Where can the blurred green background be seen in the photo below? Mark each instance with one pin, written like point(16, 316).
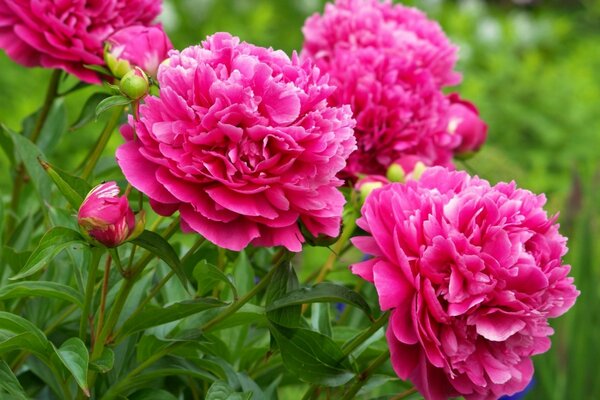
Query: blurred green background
point(533, 69)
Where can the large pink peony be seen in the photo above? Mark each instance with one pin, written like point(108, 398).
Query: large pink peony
point(471, 272)
point(389, 63)
point(242, 143)
point(67, 34)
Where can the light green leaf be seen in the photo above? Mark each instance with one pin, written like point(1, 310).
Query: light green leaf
point(208, 276)
point(321, 293)
point(74, 355)
point(284, 281)
point(42, 289)
point(105, 362)
point(158, 246)
point(52, 243)
point(9, 384)
point(243, 274)
point(88, 111)
point(111, 102)
point(26, 334)
point(73, 188)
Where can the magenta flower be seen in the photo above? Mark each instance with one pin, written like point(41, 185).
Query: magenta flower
point(464, 122)
point(107, 218)
point(471, 274)
point(389, 63)
point(138, 46)
point(67, 34)
point(242, 143)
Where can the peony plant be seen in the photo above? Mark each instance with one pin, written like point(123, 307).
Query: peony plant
point(261, 191)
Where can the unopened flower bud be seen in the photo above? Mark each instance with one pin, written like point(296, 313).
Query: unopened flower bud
point(134, 84)
point(405, 168)
point(118, 67)
point(395, 173)
point(369, 183)
point(106, 219)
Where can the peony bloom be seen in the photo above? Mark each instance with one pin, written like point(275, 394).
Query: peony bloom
point(465, 123)
point(242, 143)
point(137, 46)
point(67, 34)
point(107, 218)
point(389, 63)
point(471, 274)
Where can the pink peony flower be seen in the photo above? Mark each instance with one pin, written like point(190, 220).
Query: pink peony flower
point(139, 46)
point(389, 63)
point(471, 274)
point(242, 143)
point(465, 123)
point(67, 34)
point(107, 218)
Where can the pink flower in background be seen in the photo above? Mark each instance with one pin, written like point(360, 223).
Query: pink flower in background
point(141, 46)
point(464, 122)
point(106, 217)
point(242, 143)
point(67, 34)
point(389, 63)
point(471, 274)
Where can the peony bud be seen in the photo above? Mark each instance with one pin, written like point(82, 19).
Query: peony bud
point(137, 46)
point(369, 183)
point(465, 122)
point(406, 167)
point(134, 84)
point(105, 218)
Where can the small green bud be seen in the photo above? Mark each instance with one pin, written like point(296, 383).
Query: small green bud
point(395, 173)
point(366, 189)
point(134, 84)
point(418, 170)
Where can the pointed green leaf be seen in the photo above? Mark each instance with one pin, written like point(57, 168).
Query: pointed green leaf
point(312, 357)
point(98, 68)
point(222, 391)
point(42, 289)
point(111, 102)
point(74, 355)
point(52, 243)
point(18, 330)
point(105, 362)
point(155, 316)
point(158, 246)
point(9, 384)
point(321, 293)
point(88, 111)
point(208, 276)
point(284, 281)
point(73, 188)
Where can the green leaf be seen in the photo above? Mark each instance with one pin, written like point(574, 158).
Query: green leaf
point(73, 188)
point(222, 391)
point(105, 362)
point(17, 330)
point(155, 316)
point(284, 281)
point(52, 243)
point(98, 68)
point(88, 111)
point(158, 246)
point(312, 357)
point(320, 293)
point(54, 127)
point(248, 314)
point(111, 102)
point(208, 276)
point(42, 289)
point(14, 259)
point(152, 394)
point(9, 384)
point(74, 355)
point(243, 274)
point(7, 144)
point(320, 318)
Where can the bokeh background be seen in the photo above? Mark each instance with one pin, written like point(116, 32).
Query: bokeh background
point(532, 68)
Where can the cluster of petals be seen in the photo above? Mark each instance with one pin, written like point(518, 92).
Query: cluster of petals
point(242, 143)
point(67, 34)
point(471, 274)
point(389, 63)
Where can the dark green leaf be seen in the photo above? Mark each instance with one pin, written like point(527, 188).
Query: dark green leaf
point(73, 188)
point(320, 293)
point(152, 394)
point(88, 111)
point(42, 289)
point(158, 246)
point(312, 357)
point(52, 243)
point(74, 355)
point(284, 281)
point(248, 314)
point(222, 391)
point(98, 68)
point(23, 332)
point(155, 316)
point(320, 318)
point(105, 362)
point(208, 276)
point(111, 102)
point(9, 384)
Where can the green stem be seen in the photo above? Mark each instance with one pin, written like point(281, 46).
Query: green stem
point(19, 182)
point(352, 345)
point(89, 291)
point(404, 394)
point(364, 376)
point(94, 156)
point(100, 323)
